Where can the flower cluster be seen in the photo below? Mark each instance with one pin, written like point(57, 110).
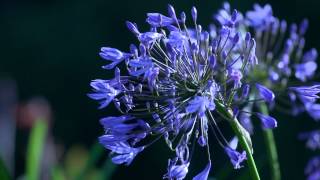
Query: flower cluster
point(283, 67)
point(179, 81)
point(283, 64)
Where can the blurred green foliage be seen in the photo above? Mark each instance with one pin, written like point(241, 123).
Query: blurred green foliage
point(4, 174)
point(35, 149)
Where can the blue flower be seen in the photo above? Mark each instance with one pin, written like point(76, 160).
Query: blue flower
point(112, 54)
point(312, 170)
point(124, 153)
point(203, 175)
point(310, 55)
point(118, 124)
point(226, 18)
point(265, 93)
point(314, 110)
point(175, 171)
point(305, 70)
point(236, 76)
point(152, 75)
point(148, 38)
point(245, 121)
point(307, 93)
point(268, 122)
point(140, 66)
point(236, 157)
point(158, 20)
point(104, 93)
point(313, 139)
point(260, 17)
point(177, 40)
point(199, 105)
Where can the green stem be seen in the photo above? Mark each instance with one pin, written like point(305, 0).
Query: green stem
point(244, 139)
point(271, 148)
point(253, 169)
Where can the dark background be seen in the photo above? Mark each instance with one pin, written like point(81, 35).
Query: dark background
point(50, 47)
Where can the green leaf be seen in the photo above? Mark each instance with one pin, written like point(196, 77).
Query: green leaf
point(4, 173)
point(95, 154)
point(35, 149)
point(57, 173)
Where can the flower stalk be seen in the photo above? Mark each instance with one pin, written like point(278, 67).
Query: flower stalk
point(271, 148)
point(243, 136)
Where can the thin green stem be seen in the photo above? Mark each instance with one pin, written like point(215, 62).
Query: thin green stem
point(253, 169)
point(244, 138)
point(271, 147)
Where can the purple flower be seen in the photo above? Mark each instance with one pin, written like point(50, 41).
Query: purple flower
point(133, 28)
point(268, 122)
point(313, 139)
point(307, 93)
point(203, 175)
point(148, 38)
point(125, 153)
point(122, 124)
point(236, 76)
point(112, 54)
point(177, 39)
point(172, 12)
point(265, 93)
point(116, 123)
point(245, 91)
point(226, 18)
point(305, 70)
point(246, 122)
point(313, 168)
point(199, 105)
point(274, 76)
point(194, 14)
point(202, 141)
point(140, 66)
point(103, 92)
point(310, 55)
point(152, 75)
point(158, 20)
point(175, 171)
point(260, 17)
point(314, 110)
point(303, 26)
point(212, 61)
point(236, 157)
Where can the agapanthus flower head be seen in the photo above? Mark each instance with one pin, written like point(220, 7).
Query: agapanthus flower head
point(178, 78)
point(282, 60)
